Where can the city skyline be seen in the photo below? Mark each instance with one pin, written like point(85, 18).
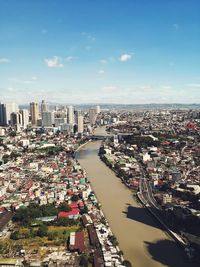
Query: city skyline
point(124, 52)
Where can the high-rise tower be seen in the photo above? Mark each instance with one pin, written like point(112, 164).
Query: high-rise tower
point(34, 113)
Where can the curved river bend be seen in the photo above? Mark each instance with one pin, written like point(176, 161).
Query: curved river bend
point(140, 238)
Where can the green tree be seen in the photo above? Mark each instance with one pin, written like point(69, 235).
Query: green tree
point(83, 261)
point(74, 198)
point(64, 207)
point(14, 235)
point(42, 231)
point(127, 263)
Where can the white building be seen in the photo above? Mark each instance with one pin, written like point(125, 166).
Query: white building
point(98, 110)
point(80, 124)
point(70, 115)
point(25, 117)
point(2, 132)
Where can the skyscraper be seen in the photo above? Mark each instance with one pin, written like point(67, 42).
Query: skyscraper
point(34, 113)
point(80, 124)
point(5, 112)
point(2, 114)
point(98, 110)
point(92, 116)
point(47, 119)
point(25, 117)
point(44, 106)
point(70, 115)
point(16, 120)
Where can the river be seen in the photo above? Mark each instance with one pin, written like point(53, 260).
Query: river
point(144, 244)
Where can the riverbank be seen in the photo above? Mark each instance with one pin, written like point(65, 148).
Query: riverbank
point(140, 238)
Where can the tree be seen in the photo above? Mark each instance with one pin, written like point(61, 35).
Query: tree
point(42, 231)
point(127, 263)
point(113, 239)
point(64, 207)
point(14, 235)
point(51, 236)
point(83, 261)
point(74, 198)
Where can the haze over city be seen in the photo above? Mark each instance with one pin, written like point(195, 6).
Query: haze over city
point(100, 51)
point(100, 133)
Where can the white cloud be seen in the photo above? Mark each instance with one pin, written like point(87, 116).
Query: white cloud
point(101, 71)
point(4, 60)
point(125, 57)
point(70, 58)
point(88, 36)
point(34, 78)
point(54, 62)
point(91, 38)
point(103, 61)
point(176, 26)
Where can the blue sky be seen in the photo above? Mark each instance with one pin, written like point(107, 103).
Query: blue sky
point(100, 51)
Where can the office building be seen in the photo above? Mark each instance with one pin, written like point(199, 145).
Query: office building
point(92, 116)
point(5, 112)
point(47, 119)
point(25, 117)
point(67, 128)
point(2, 114)
point(70, 115)
point(16, 120)
point(59, 121)
point(44, 106)
point(34, 110)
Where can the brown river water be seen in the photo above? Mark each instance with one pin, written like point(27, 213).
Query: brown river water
point(140, 238)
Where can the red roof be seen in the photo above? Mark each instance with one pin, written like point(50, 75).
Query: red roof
point(69, 213)
point(74, 205)
point(191, 125)
point(70, 192)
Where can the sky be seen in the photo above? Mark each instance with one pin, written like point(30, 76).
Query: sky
point(100, 51)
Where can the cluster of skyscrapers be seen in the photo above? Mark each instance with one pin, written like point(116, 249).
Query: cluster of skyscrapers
point(66, 119)
point(10, 114)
